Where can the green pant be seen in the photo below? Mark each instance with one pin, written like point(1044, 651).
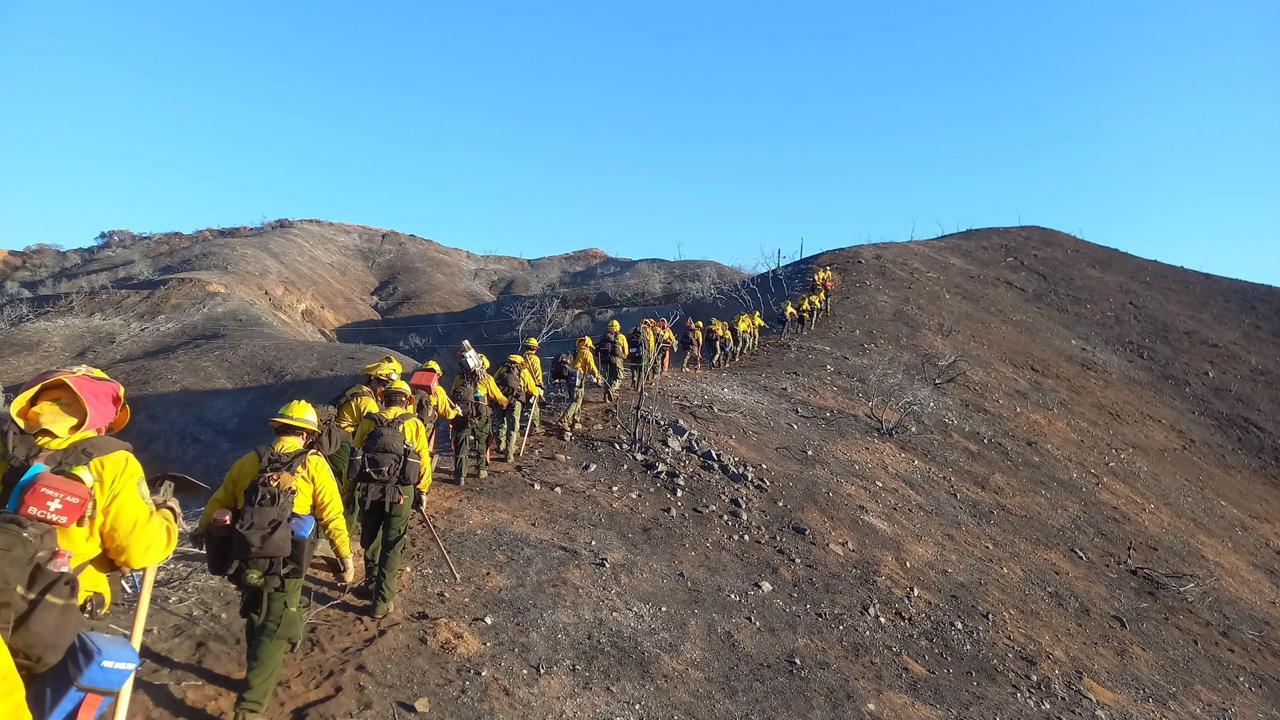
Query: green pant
point(472, 437)
point(613, 374)
point(692, 352)
point(272, 626)
point(339, 461)
point(576, 396)
point(509, 430)
point(383, 531)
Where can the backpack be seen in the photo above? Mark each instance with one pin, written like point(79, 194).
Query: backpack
point(471, 401)
point(385, 457)
point(510, 383)
point(261, 540)
point(40, 611)
point(610, 346)
point(563, 367)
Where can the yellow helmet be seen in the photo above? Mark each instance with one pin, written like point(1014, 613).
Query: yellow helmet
point(585, 341)
point(484, 360)
point(531, 342)
point(515, 359)
point(433, 365)
point(698, 325)
point(614, 325)
point(398, 387)
point(297, 413)
point(388, 368)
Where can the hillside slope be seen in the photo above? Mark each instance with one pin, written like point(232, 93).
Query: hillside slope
point(1080, 525)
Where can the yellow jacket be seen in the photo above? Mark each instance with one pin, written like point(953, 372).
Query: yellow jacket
point(533, 364)
point(646, 338)
point(585, 362)
point(489, 387)
point(125, 531)
point(317, 491)
point(358, 402)
point(13, 695)
point(621, 339)
point(415, 433)
point(530, 385)
point(695, 336)
point(757, 321)
point(745, 324)
point(790, 311)
point(804, 304)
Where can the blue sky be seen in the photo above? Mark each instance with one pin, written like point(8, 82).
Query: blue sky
point(647, 129)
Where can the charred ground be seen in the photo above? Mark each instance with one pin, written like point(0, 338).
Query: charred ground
point(1078, 525)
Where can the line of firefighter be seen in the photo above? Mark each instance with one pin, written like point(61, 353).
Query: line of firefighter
point(370, 463)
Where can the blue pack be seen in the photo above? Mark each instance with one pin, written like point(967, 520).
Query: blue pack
point(86, 680)
point(23, 482)
point(302, 526)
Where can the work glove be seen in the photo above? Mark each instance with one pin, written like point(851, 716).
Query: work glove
point(348, 566)
point(170, 505)
point(419, 500)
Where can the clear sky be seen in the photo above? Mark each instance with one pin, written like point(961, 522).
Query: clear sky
point(711, 129)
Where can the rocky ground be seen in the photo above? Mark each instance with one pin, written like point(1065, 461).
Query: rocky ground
point(1079, 524)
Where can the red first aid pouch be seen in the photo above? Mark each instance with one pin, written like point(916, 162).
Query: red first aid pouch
point(54, 499)
point(424, 380)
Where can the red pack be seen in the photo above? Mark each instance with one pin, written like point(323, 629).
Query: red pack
point(55, 500)
point(424, 380)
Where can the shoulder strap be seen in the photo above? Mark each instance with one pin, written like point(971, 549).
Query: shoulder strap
point(85, 451)
point(399, 421)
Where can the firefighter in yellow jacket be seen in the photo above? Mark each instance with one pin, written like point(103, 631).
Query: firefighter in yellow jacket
point(533, 364)
point(354, 405)
point(394, 474)
point(477, 396)
point(64, 419)
point(271, 609)
point(584, 366)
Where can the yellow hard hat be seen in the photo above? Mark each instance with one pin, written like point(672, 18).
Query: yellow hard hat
point(433, 365)
point(484, 360)
point(585, 341)
point(698, 324)
point(398, 386)
point(298, 413)
point(516, 359)
point(531, 342)
point(388, 368)
point(615, 325)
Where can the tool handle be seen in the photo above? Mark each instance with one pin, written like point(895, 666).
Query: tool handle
point(440, 544)
point(135, 638)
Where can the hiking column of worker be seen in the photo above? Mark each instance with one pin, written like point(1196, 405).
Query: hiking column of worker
point(285, 482)
point(392, 465)
point(533, 364)
point(64, 420)
point(477, 396)
point(613, 356)
point(354, 404)
point(584, 366)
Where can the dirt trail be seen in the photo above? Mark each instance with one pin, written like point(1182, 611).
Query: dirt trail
point(1078, 527)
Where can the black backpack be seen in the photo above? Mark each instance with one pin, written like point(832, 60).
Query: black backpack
point(472, 408)
point(563, 367)
point(510, 383)
point(385, 457)
point(40, 612)
point(261, 540)
point(611, 347)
